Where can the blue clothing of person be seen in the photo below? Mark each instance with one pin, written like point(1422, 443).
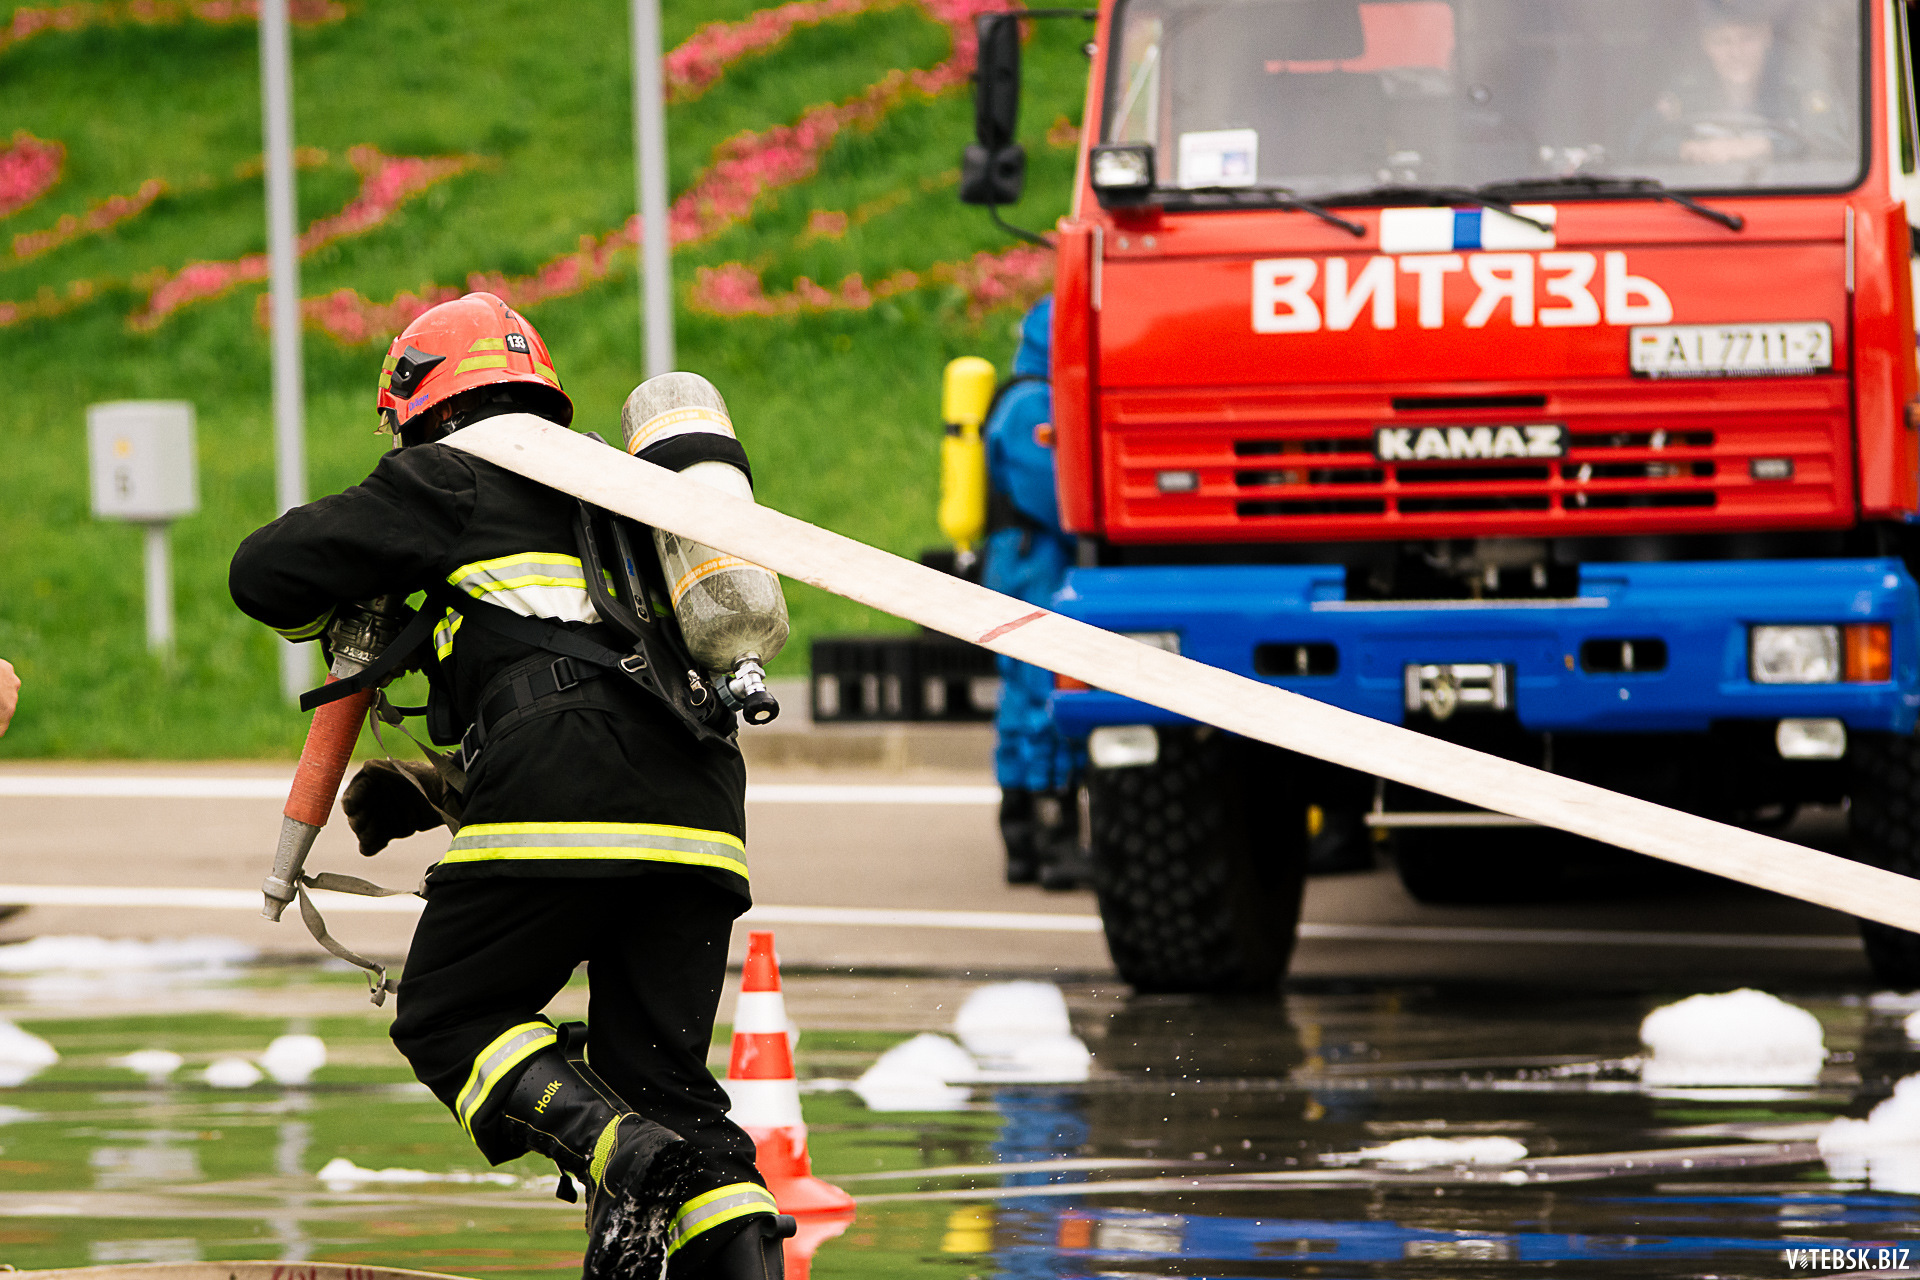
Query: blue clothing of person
point(1027, 557)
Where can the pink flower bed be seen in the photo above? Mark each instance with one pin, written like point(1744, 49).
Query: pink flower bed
point(386, 182)
point(692, 66)
point(28, 169)
point(48, 302)
point(108, 213)
point(29, 22)
point(1019, 276)
point(744, 168)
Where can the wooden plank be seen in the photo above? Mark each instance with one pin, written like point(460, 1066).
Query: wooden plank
point(609, 478)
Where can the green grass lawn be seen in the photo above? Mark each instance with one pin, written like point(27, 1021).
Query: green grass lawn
point(840, 410)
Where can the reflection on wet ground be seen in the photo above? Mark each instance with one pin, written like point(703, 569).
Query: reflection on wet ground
point(1333, 1132)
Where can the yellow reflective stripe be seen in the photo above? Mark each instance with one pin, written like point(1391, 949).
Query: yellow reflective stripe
point(508, 1050)
point(603, 1150)
point(489, 344)
point(443, 633)
point(307, 630)
point(386, 381)
point(387, 365)
point(597, 841)
point(546, 372)
point(479, 362)
point(526, 569)
point(723, 1204)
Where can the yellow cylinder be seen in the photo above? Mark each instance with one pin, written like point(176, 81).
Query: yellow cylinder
point(965, 393)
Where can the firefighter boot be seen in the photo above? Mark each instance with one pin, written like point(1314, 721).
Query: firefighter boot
point(634, 1170)
point(749, 1251)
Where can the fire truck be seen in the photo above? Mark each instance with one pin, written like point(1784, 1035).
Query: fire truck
point(1535, 373)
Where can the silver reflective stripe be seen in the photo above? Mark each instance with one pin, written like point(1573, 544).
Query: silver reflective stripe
point(709, 1210)
point(308, 630)
point(534, 584)
point(512, 1047)
point(443, 633)
point(623, 841)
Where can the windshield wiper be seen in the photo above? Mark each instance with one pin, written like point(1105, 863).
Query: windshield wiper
point(1276, 198)
point(1418, 194)
point(1598, 184)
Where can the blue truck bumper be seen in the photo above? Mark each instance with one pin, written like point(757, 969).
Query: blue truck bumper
point(1701, 611)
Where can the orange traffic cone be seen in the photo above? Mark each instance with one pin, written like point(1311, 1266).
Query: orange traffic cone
point(765, 1094)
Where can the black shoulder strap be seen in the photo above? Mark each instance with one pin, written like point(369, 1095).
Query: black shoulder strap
point(411, 637)
point(703, 715)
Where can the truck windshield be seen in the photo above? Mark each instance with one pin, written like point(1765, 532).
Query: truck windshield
point(1337, 97)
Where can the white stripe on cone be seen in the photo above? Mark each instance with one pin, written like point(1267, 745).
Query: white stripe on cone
point(765, 1104)
point(761, 1011)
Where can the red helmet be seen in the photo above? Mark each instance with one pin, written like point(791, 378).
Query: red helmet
point(475, 341)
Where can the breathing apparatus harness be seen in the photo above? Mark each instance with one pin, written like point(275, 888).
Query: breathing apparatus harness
point(572, 670)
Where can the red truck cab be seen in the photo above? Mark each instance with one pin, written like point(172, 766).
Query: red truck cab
point(1538, 373)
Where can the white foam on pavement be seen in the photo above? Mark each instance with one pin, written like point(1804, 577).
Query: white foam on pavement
point(23, 1055)
point(1884, 1148)
point(926, 1073)
point(84, 953)
point(156, 1065)
point(342, 1174)
point(1429, 1152)
point(1021, 1031)
point(232, 1073)
point(1743, 1037)
point(292, 1059)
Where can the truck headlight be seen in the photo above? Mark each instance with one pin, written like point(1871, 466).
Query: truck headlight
point(1122, 171)
point(1123, 746)
point(1794, 655)
point(1810, 739)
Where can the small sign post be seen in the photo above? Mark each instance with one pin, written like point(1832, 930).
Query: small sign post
point(143, 467)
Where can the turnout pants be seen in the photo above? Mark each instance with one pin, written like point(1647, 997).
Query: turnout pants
point(488, 956)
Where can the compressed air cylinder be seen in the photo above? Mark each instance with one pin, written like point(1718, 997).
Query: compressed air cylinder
point(966, 391)
point(731, 611)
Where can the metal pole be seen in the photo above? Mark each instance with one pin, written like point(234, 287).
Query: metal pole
point(159, 591)
point(650, 174)
point(289, 391)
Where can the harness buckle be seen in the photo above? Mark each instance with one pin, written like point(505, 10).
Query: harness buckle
point(633, 664)
point(565, 674)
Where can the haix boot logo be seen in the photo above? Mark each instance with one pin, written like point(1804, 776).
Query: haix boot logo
point(545, 1098)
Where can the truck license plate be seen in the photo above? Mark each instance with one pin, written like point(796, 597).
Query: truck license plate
point(1730, 350)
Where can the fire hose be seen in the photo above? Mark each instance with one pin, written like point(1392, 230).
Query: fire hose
point(358, 636)
point(589, 470)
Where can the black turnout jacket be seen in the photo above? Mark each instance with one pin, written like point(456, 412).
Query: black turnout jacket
point(591, 791)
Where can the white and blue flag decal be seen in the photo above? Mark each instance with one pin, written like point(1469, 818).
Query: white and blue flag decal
point(1452, 230)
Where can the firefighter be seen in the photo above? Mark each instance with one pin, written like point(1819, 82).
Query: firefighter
point(1027, 556)
point(600, 820)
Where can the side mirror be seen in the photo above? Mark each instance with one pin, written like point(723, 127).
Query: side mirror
point(992, 177)
point(993, 171)
point(996, 92)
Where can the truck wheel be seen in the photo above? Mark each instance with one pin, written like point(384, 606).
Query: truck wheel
point(1883, 830)
point(1199, 887)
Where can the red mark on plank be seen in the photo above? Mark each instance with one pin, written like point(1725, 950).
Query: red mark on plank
point(1015, 625)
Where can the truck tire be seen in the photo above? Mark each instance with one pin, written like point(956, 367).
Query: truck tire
point(1199, 892)
point(1883, 830)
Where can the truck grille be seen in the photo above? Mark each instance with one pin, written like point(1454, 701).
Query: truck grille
point(1694, 462)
